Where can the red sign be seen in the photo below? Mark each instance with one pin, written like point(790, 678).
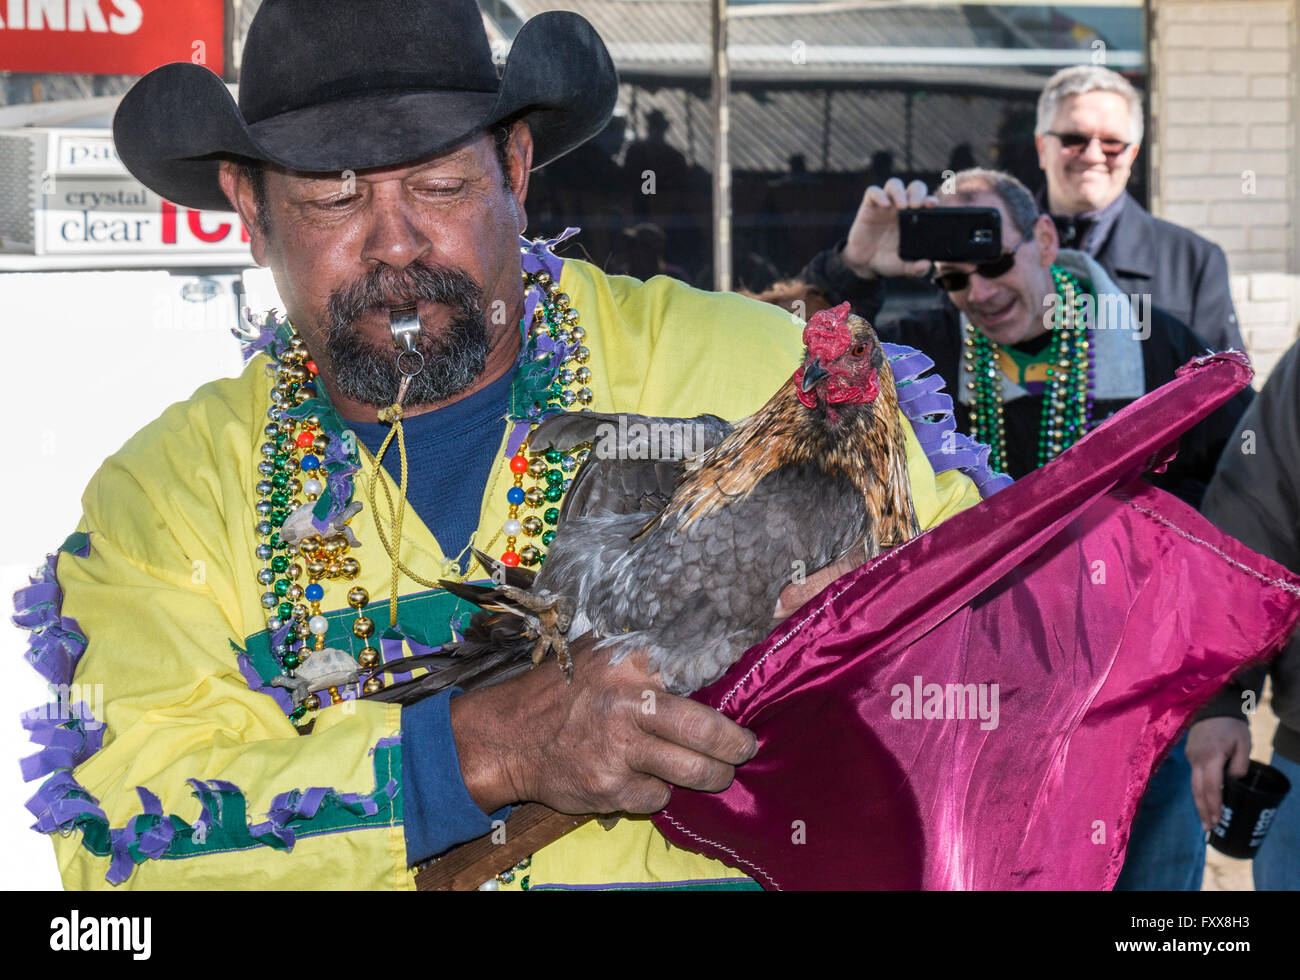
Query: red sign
point(110, 37)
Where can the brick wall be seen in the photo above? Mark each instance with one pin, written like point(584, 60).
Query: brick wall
point(1223, 149)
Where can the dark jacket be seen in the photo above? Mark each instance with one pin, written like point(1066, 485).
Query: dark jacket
point(937, 332)
point(1186, 275)
point(1255, 497)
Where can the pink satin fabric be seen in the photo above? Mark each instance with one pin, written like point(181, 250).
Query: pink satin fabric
point(1105, 611)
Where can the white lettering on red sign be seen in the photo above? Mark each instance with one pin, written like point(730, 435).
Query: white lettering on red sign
point(125, 16)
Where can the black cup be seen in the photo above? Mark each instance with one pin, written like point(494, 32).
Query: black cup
point(1249, 805)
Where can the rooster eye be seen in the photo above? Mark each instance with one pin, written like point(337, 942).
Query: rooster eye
point(859, 350)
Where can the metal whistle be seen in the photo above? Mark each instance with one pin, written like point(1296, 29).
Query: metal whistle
point(404, 325)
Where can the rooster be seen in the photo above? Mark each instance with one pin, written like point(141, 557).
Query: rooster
point(685, 555)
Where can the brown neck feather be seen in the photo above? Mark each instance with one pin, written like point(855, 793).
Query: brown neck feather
point(866, 445)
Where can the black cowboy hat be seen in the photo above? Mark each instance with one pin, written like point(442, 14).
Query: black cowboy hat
point(334, 85)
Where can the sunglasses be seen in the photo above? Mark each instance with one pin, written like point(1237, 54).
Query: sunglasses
point(1075, 142)
point(955, 282)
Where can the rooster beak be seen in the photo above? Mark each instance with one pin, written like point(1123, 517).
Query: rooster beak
point(813, 372)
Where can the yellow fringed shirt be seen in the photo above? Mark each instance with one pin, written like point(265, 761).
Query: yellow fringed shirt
point(170, 585)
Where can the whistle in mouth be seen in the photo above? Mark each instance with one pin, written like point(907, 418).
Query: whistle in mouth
point(404, 325)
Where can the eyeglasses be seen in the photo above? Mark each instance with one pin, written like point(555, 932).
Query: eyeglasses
point(955, 282)
point(1075, 143)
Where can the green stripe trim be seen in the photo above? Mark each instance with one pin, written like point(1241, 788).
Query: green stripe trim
point(230, 830)
point(423, 617)
point(77, 541)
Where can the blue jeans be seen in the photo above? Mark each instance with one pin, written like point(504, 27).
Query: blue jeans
point(1166, 845)
point(1277, 863)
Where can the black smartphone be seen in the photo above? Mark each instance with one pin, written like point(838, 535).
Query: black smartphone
point(950, 234)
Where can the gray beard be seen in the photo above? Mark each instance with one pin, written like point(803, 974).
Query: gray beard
point(367, 372)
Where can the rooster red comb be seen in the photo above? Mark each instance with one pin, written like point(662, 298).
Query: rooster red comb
point(827, 335)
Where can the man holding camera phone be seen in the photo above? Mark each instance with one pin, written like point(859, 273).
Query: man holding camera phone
point(1039, 346)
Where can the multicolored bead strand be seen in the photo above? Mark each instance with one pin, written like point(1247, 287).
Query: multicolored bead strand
point(1067, 402)
point(987, 423)
point(1071, 377)
point(551, 471)
point(292, 476)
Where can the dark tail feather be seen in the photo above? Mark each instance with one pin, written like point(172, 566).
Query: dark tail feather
point(493, 650)
point(469, 665)
point(477, 594)
point(520, 578)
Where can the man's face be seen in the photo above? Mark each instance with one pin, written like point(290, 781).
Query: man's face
point(442, 232)
point(1086, 178)
point(1007, 309)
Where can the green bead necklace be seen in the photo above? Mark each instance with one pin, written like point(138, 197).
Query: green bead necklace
point(1068, 399)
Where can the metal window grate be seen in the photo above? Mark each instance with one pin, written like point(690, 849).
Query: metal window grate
point(17, 222)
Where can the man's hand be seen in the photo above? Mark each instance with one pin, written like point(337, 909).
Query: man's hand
point(1210, 744)
point(611, 741)
point(796, 594)
point(872, 246)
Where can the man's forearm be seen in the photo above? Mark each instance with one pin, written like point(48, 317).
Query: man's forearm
point(439, 810)
point(478, 723)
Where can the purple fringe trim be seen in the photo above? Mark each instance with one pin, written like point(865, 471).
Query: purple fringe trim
point(69, 735)
point(929, 409)
point(280, 695)
point(293, 805)
point(340, 471)
point(554, 351)
point(539, 256)
point(67, 743)
point(60, 801)
point(260, 336)
point(59, 805)
point(305, 804)
point(150, 832)
point(57, 643)
point(517, 436)
point(268, 333)
point(390, 648)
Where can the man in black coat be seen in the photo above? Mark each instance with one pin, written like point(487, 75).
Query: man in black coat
point(1088, 131)
point(996, 311)
point(1255, 497)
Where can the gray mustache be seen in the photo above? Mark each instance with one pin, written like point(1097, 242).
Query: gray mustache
point(385, 287)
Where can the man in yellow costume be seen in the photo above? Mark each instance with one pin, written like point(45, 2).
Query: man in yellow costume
point(379, 163)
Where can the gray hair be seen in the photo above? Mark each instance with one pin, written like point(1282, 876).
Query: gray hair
point(1079, 79)
point(1019, 203)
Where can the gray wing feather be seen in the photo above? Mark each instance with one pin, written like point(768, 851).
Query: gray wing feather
point(635, 461)
point(629, 436)
point(698, 597)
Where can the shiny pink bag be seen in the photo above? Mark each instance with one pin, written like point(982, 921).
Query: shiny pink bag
point(981, 708)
